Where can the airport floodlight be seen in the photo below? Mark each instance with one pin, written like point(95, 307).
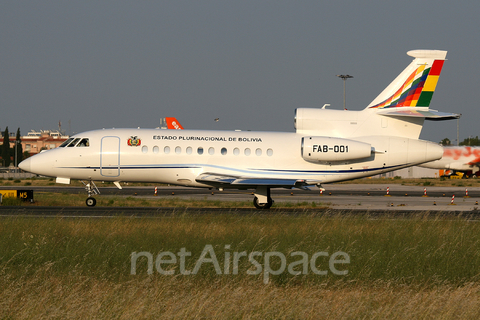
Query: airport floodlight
point(344, 77)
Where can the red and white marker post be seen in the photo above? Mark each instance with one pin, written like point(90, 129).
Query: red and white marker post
point(388, 192)
point(453, 198)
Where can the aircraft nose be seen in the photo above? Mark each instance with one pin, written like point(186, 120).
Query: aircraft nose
point(26, 165)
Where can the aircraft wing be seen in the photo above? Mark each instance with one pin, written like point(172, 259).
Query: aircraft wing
point(428, 114)
point(475, 162)
point(218, 180)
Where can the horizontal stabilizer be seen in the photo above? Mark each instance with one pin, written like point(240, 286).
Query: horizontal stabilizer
point(426, 113)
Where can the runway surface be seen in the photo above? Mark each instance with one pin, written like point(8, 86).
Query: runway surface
point(372, 198)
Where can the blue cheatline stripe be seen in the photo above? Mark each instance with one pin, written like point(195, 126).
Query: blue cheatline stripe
point(245, 171)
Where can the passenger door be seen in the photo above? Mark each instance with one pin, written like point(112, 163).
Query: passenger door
point(110, 156)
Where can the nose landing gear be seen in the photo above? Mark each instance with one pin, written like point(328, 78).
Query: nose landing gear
point(91, 202)
point(91, 188)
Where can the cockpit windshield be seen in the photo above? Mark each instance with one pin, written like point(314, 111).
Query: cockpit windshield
point(83, 143)
point(73, 143)
point(76, 142)
point(65, 143)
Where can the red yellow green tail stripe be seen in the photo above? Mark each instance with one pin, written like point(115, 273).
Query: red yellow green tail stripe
point(418, 88)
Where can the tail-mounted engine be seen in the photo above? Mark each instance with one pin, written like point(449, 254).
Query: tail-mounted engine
point(321, 149)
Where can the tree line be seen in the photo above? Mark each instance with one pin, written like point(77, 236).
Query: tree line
point(8, 154)
point(470, 141)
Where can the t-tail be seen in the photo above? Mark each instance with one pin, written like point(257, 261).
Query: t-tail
point(399, 110)
point(415, 86)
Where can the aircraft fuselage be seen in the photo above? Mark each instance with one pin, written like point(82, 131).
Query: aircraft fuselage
point(180, 157)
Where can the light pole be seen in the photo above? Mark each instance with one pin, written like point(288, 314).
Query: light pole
point(458, 131)
point(344, 77)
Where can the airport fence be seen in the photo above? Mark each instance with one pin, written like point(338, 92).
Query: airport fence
point(16, 175)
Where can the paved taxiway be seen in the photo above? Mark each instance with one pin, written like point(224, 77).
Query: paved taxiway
point(369, 197)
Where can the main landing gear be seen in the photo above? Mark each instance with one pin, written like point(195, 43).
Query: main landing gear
point(262, 198)
point(91, 188)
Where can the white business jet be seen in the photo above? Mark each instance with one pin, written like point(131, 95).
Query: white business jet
point(328, 146)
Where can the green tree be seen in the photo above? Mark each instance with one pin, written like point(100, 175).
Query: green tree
point(19, 148)
point(6, 148)
point(26, 154)
point(446, 142)
point(470, 142)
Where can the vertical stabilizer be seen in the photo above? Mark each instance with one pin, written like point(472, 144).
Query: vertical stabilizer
point(414, 87)
point(172, 123)
point(400, 110)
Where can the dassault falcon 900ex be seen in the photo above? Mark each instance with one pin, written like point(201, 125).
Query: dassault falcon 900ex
point(327, 146)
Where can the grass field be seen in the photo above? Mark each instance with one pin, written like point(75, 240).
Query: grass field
point(421, 267)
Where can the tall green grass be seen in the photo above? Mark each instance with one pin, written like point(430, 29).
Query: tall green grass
point(418, 250)
point(419, 267)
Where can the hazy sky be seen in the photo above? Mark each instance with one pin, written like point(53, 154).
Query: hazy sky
point(102, 64)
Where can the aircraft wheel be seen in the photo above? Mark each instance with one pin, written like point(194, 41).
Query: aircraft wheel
point(91, 202)
point(262, 205)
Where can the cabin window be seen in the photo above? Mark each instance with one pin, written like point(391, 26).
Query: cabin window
point(144, 149)
point(166, 150)
point(258, 152)
point(178, 150)
point(269, 152)
point(66, 142)
point(247, 151)
point(155, 149)
point(189, 150)
point(236, 151)
point(223, 151)
point(211, 151)
point(200, 150)
point(83, 143)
